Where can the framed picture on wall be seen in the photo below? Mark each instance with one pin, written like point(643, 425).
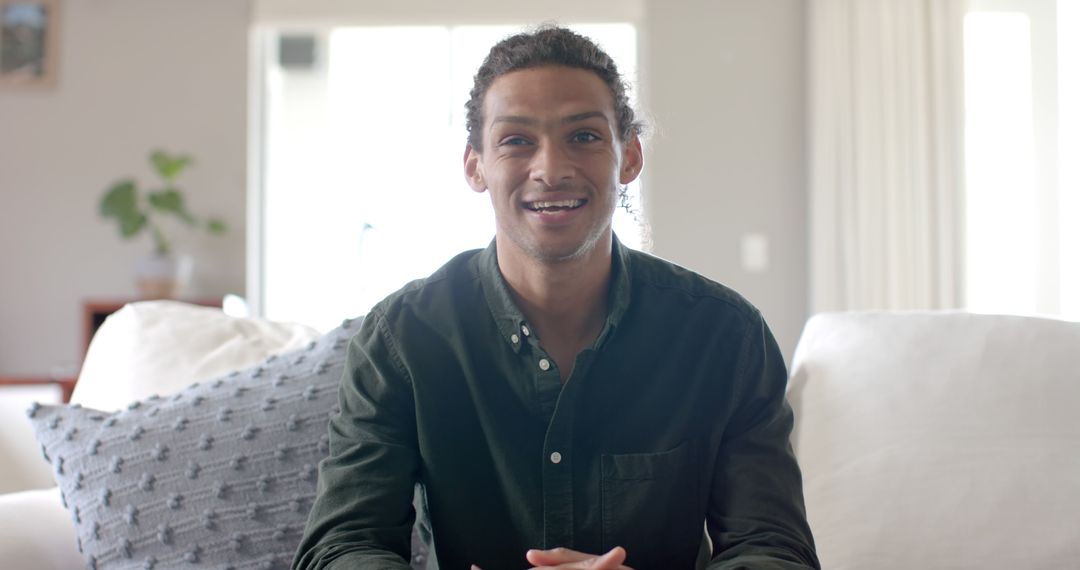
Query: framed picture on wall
point(28, 42)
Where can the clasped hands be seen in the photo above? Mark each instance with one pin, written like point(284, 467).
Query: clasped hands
point(566, 559)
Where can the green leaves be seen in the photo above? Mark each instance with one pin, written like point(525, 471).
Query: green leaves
point(120, 203)
point(133, 224)
point(135, 211)
point(119, 199)
point(170, 201)
point(216, 226)
point(169, 166)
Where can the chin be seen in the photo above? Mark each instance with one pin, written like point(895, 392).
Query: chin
point(564, 252)
point(557, 255)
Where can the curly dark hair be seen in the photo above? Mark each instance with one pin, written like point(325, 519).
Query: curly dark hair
point(548, 45)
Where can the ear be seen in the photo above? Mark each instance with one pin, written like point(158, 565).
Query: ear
point(474, 172)
point(632, 161)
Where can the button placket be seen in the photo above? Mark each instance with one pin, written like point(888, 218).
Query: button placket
point(557, 473)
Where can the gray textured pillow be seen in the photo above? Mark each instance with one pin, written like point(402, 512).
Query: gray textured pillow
point(220, 474)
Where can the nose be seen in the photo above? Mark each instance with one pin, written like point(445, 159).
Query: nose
point(552, 165)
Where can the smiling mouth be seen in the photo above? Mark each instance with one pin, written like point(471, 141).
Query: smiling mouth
point(554, 205)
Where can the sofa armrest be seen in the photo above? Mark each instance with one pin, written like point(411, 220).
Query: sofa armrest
point(939, 439)
point(20, 453)
point(36, 532)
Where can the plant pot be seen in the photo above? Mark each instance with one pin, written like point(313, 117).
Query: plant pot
point(162, 276)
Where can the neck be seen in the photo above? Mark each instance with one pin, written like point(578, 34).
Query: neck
point(564, 301)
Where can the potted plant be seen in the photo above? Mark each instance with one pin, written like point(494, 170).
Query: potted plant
point(161, 274)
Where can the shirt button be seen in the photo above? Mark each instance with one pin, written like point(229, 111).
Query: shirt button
point(556, 457)
point(514, 338)
point(544, 364)
point(525, 330)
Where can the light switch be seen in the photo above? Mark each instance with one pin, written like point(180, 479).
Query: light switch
point(754, 251)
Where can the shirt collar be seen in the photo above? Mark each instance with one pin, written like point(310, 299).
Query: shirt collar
point(619, 290)
point(511, 321)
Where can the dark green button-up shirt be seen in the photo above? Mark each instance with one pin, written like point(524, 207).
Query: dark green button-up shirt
point(671, 426)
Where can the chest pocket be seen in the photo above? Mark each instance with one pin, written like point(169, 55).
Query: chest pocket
point(653, 501)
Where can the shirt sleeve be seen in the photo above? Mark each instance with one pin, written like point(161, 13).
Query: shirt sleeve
point(756, 516)
point(362, 516)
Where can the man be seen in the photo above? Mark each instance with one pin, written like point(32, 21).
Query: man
point(562, 401)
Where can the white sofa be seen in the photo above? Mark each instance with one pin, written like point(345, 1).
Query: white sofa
point(940, 440)
point(927, 440)
point(147, 348)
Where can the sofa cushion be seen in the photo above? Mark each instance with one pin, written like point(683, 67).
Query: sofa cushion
point(159, 347)
point(940, 440)
point(222, 472)
point(35, 532)
point(21, 467)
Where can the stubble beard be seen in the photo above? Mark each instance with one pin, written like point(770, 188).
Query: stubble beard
point(534, 249)
point(557, 255)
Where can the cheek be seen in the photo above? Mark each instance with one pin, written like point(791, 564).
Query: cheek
point(604, 170)
point(506, 173)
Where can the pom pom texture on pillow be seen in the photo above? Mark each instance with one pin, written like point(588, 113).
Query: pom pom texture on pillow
point(221, 474)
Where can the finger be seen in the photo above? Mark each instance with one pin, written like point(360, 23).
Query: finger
point(612, 560)
point(568, 559)
point(555, 556)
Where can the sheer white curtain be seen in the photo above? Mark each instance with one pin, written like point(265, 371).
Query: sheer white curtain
point(886, 152)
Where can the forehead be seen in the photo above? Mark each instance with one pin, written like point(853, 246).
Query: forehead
point(551, 90)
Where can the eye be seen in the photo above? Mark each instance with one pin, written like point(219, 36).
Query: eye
point(514, 141)
point(584, 137)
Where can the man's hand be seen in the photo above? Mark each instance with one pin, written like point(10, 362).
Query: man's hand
point(566, 559)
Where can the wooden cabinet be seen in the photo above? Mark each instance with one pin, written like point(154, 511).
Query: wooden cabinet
point(67, 385)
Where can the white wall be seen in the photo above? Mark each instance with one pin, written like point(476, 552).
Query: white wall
point(723, 83)
point(134, 75)
point(443, 12)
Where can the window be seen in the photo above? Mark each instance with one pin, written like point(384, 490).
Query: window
point(1022, 139)
point(362, 185)
point(1068, 18)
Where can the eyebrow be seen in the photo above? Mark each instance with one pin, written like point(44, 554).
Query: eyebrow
point(517, 119)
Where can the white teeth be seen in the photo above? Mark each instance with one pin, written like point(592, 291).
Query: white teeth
point(556, 204)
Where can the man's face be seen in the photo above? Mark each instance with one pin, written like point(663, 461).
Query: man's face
point(552, 162)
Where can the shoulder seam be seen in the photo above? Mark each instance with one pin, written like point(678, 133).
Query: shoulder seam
point(744, 357)
point(392, 345)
